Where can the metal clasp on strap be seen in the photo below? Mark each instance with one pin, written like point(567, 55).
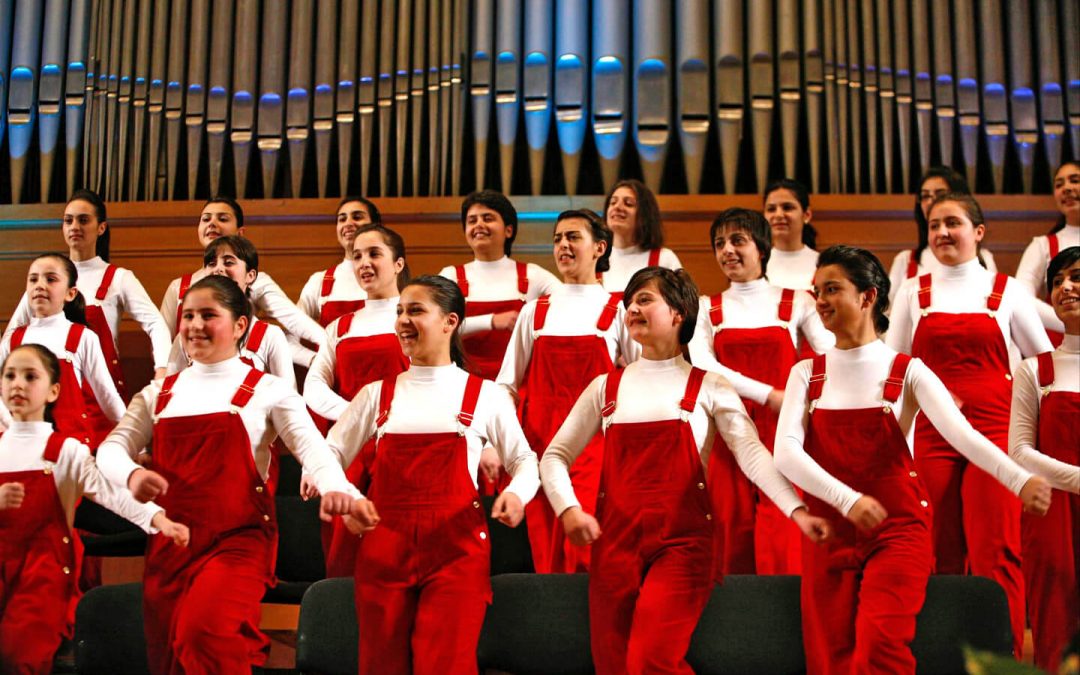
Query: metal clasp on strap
point(464, 421)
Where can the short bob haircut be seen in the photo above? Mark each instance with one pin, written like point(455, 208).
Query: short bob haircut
point(678, 290)
point(1061, 261)
point(751, 222)
point(497, 202)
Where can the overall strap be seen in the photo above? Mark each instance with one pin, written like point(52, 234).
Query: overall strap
point(166, 394)
point(924, 292)
point(693, 388)
point(344, 323)
point(611, 392)
point(327, 282)
point(247, 389)
point(386, 397)
point(185, 284)
point(607, 315)
point(255, 336)
point(654, 257)
point(53, 447)
point(913, 264)
point(522, 279)
point(1046, 369)
point(468, 402)
point(994, 300)
point(462, 282)
point(543, 303)
point(17, 336)
point(74, 335)
point(817, 379)
point(894, 384)
point(716, 309)
point(787, 304)
point(1055, 245)
point(106, 281)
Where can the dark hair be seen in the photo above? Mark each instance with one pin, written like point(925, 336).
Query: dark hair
point(956, 183)
point(232, 204)
point(101, 248)
point(649, 226)
point(597, 228)
point(678, 290)
point(74, 309)
point(802, 195)
point(396, 244)
point(372, 210)
point(751, 222)
point(1060, 224)
point(52, 367)
point(497, 202)
point(1061, 261)
point(226, 293)
point(241, 246)
point(865, 271)
point(448, 296)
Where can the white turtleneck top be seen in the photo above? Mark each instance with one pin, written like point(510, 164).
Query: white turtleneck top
point(346, 288)
point(1031, 272)
point(496, 281)
point(376, 318)
point(574, 311)
point(755, 304)
point(202, 389)
point(1024, 423)
point(76, 474)
point(792, 269)
point(87, 361)
point(650, 391)
point(963, 289)
point(928, 264)
point(855, 379)
point(273, 355)
point(427, 400)
point(626, 261)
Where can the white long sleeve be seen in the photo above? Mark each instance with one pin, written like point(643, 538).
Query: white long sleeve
point(792, 269)
point(1026, 407)
point(963, 289)
point(854, 380)
point(320, 393)
point(755, 305)
point(1031, 272)
point(496, 281)
point(928, 264)
point(625, 262)
point(427, 400)
point(274, 409)
point(650, 391)
point(273, 356)
point(75, 473)
point(574, 311)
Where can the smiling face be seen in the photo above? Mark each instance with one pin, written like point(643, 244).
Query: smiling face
point(486, 232)
point(81, 227)
point(27, 386)
point(228, 264)
point(786, 217)
point(650, 320)
point(576, 252)
point(954, 239)
point(208, 331)
point(1065, 297)
point(422, 328)
point(1067, 192)
point(840, 304)
point(217, 220)
point(932, 188)
point(48, 286)
point(737, 254)
point(351, 216)
point(375, 266)
point(622, 212)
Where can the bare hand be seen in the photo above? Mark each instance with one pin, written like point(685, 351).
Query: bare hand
point(147, 485)
point(867, 513)
point(581, 527)
point(816, 528)
point(307, 488)
point(490, 464)
point(1035, 496)
point(504, 320)
point(775, 400)
point(11, 495)
point(180, 534)
point(508, 509)
point(363, 512)
point(334, 504)
point(159, 373)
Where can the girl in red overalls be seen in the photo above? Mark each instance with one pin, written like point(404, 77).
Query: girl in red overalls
point(749, 334)
point(841, 437)
point(43, 475)
point(495, 288)
point(211, 426)
point(966, 324)
point(560, 343)
point(360, 348)
point(794, 239)
point(652, 536)
point(632, 214)
point(1045, 438)
point(423, 566)
point(58, 322)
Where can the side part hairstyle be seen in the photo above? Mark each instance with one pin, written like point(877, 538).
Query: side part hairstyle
point(226, 293)
point(240, 246)
point(956, 182)
point(751, 222)
point(650, 226)
point(1061, 261)
point(396, 244)
point(599, 230)
point(497, 202)
point(802, 195)
point(679, 292)
point(52, 368)
point(232, 204)
point(865, 271)
point(75, 309)
point(373, 211)
point(447, 295)
point(101, 248)
point(1060, 224)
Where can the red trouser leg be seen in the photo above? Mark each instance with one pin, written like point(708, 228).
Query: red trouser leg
point(614, 585)
point(942, 471)
point(733, 500)
point(992, 531)
point(829, 603)
point(777, 540)
point(669, 604)
point(1051, 567)
point(386, 616)
point(541, 524)
point(33, 616)
point(449, 618)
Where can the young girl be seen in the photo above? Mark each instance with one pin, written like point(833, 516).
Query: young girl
point(264, 346)
point(423, 568)
point(360, 348)
point(749, 335)
point(633, 216)
point(58, 322)
point(964, 322)
point(652, 536)
point(43, 475)
point(211, 425)
point(560, 343)
point(794, 239)
point(841, 437)
point(1031, 271)
point(1044, 438)
point(907, 264)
